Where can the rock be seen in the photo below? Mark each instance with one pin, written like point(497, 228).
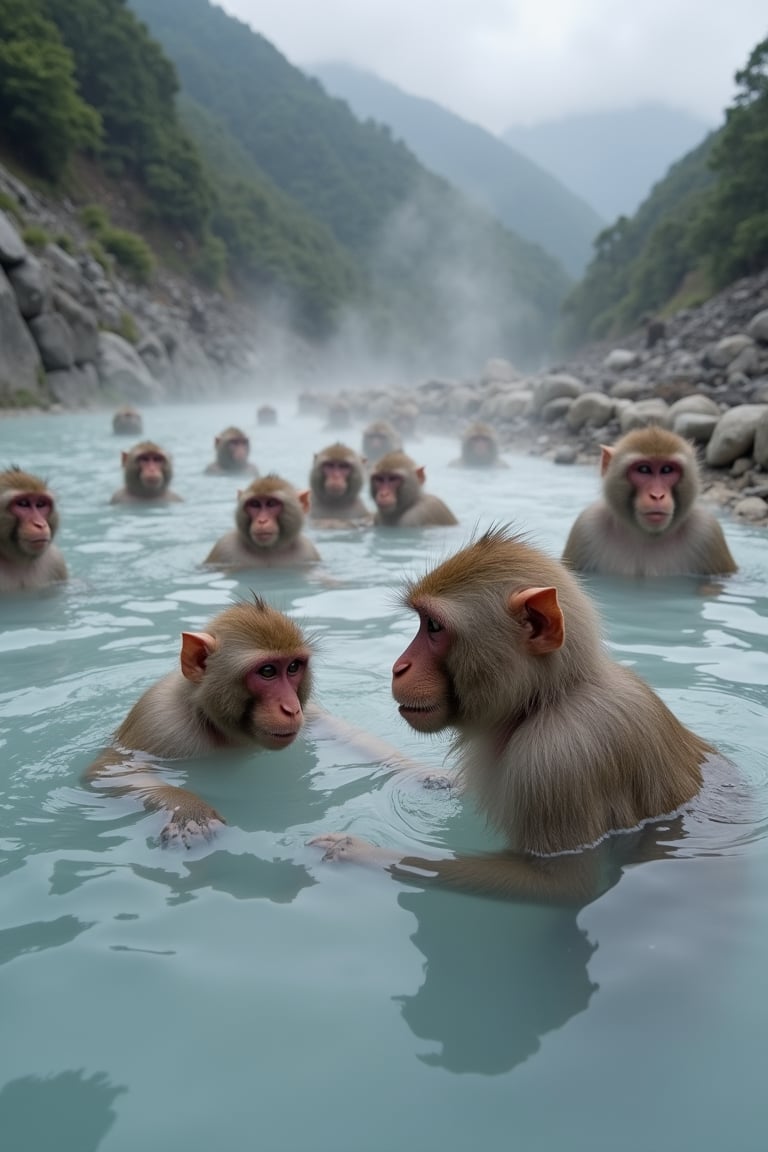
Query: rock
point(54, 339)
point(751, 508)
point(621, 360)
point(498, 369)
point(21, 369)
point(565, 454)
point(758, 327)
point(594, 409)
point(734, 434)
point(628, 389)
point(32, 284)
point(746, 364)
point(83, 325)
point(728, 349)
point(760, 449)
point(696, 426)
point(122, 372)
point(741, 466)
point(553, 388)
point(555, 409)
point(643, 413)
point(696, 402)
point(12, 248)
point(65, 269)
point(153, 353)
point(75, 387)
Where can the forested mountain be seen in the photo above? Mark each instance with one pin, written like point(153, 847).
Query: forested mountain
point(441, 277)
point(527, 199)
point(611, 158)
point(85, 77)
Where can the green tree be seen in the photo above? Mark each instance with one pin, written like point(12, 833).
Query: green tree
point(42, 115)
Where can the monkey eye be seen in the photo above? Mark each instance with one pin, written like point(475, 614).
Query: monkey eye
point(667, 468)
point(433, 625)
point(295, 666)
point(23, 502)
point(644, 469)
point(267, 671)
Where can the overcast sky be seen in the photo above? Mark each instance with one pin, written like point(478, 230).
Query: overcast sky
point(504, 62)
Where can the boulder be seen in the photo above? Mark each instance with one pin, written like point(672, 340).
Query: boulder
point(83, 325)
point(21, 370)
point(75, 387)
point(594, 409)
point(122, 372)
point(751, 508)
point(12, 248)
point(31, 282)
point(54, 339)
point(65, 269)
point(553, 388)
point(727, 349)
point(696, 426)
point(734, 434)
point(758, 327)
point(760, 449)
point(643, 413)
point(621, 360)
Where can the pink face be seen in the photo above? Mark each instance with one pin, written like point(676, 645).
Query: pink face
point(32, 511)
point(480, 447)
point(654, 480)
point(420, 683)
point(151, 465)
point(336, 475)
point(385, 487)
point(264, 513)
point(274, 684)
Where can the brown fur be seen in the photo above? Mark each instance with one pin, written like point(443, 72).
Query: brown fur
point(341, 507)
point(415, 508)
point(18, 569)
point(134, 491)
point(470, 458)
point(127, 422)
point(380, 437)
point(225, 463)
point(179, 717)
point(606, 537)
point(560, 745)
point(238, 550)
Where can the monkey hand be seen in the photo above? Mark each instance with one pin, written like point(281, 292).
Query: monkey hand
point(339, 846)
point(437, 780)
point(186, 828)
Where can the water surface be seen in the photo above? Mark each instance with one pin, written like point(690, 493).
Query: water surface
point(244, 994)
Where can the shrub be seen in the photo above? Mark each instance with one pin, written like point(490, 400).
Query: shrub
point(131, 252)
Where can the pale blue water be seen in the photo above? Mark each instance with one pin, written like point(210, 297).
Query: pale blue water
point(244, 995)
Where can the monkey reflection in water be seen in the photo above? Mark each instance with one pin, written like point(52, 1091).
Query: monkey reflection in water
point(567, 752)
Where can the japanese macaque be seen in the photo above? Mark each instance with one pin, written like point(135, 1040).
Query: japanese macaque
point(28, 523)
point(479, 448)
point(648, 522)
point(147, 475)
point(266, 414)
point(232, 447)
point(335, 482)
point(379, 438)
point(242, 684)
point(127, 422)
point(269, 516)
point(561, 746)
point(397, 490)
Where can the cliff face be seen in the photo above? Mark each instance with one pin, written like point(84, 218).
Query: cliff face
point(74, 331)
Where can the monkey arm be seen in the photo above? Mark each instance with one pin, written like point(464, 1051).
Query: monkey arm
point(573, 878)
point(368, 746)
point(190, 817)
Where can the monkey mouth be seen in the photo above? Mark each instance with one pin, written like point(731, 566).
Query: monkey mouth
point(274, 740)
point(424, 717)
point(38, 543)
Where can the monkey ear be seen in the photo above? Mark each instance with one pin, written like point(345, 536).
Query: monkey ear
point(216, 441)
point(304, 500)
point(123, 459)
point(606, 455)
point(421, 474)
point(196, 647)
point(539, 611)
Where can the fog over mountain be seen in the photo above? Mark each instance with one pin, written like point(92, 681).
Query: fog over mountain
point(612, 159)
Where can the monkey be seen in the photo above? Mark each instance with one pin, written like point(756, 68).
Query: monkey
point(396, 488)
point(648, 522)
point(379, 438)
point(335, 481)
point(28, 523)
point(266, 414)
point(269, 517)
point(127, 422)
point(231, 447)
point(242, 684)
point(147, 472)
point(561, 746)
point(479, 448)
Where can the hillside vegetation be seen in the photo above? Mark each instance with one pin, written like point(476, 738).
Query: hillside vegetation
point(703, 226)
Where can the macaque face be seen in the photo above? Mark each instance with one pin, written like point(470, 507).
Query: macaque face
point(33, 511)
point(385, 489)
point(264, 513)
point(274, 684)
point(151, 468)
point(376, 445)
point(653, 481)
point(480, 447)
point(336, 475)
point(421, 684)
point(234, 450)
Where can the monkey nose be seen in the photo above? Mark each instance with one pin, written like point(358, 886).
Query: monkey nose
point(400, 666)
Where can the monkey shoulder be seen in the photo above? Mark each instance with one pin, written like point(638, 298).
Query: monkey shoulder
point(428, 511)
point(213, 470)
point(224, 550)
point(712, 556)
point(172, 498)
point(593, 522)
point(303, 551)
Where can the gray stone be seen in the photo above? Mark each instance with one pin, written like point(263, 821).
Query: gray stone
point(75, 387)
point(728, 349)
point(555, 409)
point(696, 426)
point(32, 284)
point(740, 466)
point(21, 370)
point(694, 403)
point(594, 409)
point(751, 508)
point(12, 248)
point(565, 454)
point(758, 327)
point(553, 387)
point(153, 353)
point(65, 269)
point(734, 435)
point(621, 360)
point(54, 338)
point(628, 389)
point(123, 374)
point(760, 450)
point(644, 413)
point(498, 369)
point(747, 363)
point(83, 325)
